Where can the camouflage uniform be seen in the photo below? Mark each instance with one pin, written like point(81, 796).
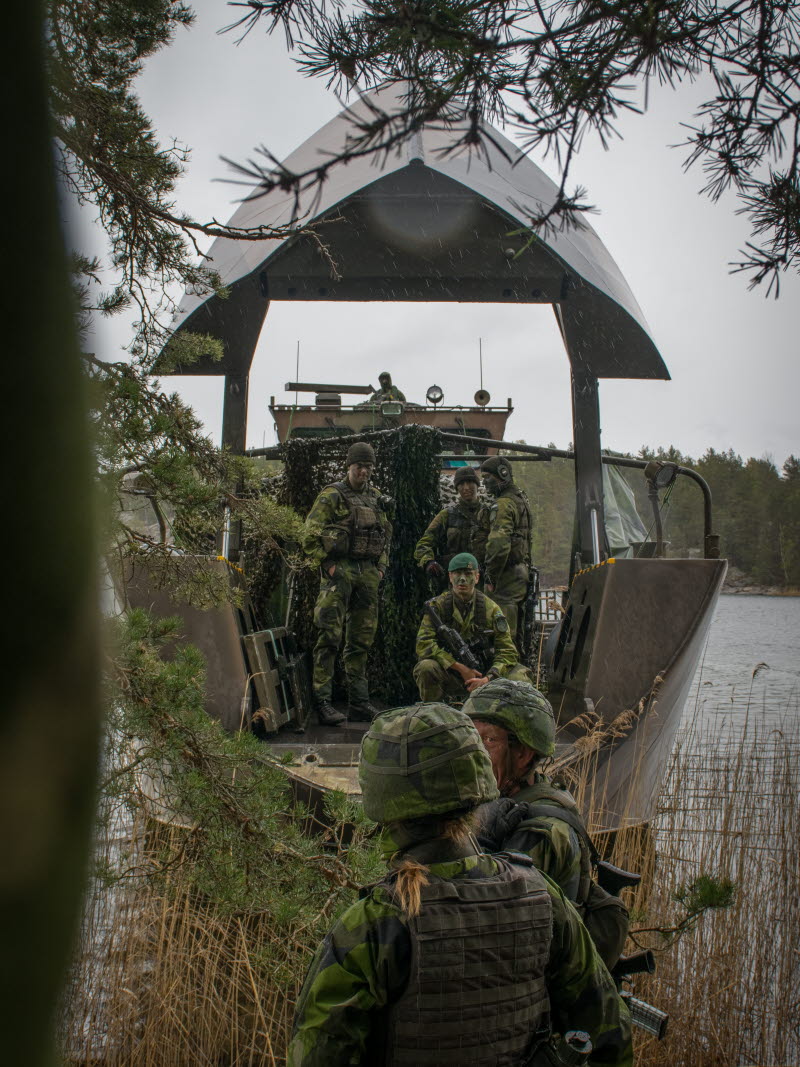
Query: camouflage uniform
point(508, 550)
point(387, 391)
point(432, 674)
point(510, 825)
point(460, 527)
point(419, 766)
point(363, 966)
point(348, 601)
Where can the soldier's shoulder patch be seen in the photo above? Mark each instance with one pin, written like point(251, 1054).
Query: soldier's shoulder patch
point(501, 623)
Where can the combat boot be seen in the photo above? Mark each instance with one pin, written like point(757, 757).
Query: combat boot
point(328, 715)
point(362, 711)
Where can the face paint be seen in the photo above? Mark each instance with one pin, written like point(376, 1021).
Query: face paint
point(467, 491)
point(491, 483)
point(463, 582)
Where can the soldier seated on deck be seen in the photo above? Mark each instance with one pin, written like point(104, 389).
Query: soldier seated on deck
point(480, 622)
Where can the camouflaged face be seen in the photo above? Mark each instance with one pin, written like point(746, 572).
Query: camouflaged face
point(518, 708)
point(427, 759)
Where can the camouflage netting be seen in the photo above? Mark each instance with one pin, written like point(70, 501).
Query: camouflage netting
point(406, 469)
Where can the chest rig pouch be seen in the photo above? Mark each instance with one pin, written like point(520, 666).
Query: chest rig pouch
point(482, 640)
point(476, 992)
point(361, 534)
point(467, 531)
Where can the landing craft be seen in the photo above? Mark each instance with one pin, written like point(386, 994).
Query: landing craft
point(425, 224)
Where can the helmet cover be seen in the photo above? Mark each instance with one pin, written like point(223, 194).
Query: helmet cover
point(518, 708)
point(427, 759)
point(360, 452)
point(466, 474)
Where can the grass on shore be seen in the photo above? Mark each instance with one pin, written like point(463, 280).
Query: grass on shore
point(173, 980)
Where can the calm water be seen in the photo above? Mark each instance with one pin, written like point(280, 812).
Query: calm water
point(747, 631)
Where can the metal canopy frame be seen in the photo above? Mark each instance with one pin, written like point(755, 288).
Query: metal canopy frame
point(423, 224)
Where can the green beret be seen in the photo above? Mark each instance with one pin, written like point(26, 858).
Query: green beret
point(463, 560)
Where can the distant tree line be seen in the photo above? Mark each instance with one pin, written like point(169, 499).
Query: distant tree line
point(756, 511)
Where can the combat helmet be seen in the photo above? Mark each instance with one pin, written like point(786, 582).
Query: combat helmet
point(518, 708)
point(500, 468)
point(426, 759)
point(466, 474)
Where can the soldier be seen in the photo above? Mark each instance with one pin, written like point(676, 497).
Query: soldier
point(454, 957)
point(347, 533)
point(460, 527)
point(517, 727)
point(387, 391)
point(438, 672)
point(535, 815)
point(508, 549)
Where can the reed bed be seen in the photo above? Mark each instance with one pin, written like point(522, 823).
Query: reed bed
point(166, 979)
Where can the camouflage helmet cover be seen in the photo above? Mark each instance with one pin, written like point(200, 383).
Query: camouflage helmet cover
point(427, 759)
point(518, 708)
point(466, 474)
point(360, 452)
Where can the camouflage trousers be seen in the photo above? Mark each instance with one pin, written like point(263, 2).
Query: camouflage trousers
point(347, 603)
point(509, 594)
point(436, 683)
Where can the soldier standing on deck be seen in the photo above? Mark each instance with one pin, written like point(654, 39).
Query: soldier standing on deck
point(454, 957)
point(508, 549)
point(347, 533)
point(462, 526)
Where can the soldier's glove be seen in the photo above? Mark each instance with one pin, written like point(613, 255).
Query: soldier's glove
point(497, 822)
point(435, 570)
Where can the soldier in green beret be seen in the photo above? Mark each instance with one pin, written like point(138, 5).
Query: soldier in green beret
point(439, 672)
point(508, 549)
point(347, 533)
point(462, 526)
point(454, 957)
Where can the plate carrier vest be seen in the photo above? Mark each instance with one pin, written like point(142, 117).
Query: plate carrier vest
point(467, 530)
point(362, 535)
point(476, 992)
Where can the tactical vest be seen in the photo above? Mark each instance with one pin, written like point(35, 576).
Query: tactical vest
point(520, 551)
point(361, 535)
point(467, 531)
point(482, 640)
point(476, 992)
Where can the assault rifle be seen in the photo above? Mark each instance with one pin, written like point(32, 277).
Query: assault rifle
point(646, 1016)
point(528, 616)
point(451, 640)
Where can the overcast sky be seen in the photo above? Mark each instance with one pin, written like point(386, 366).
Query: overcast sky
point(732, 353)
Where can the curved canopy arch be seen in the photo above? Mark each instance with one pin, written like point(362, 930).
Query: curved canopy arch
point(422, 224)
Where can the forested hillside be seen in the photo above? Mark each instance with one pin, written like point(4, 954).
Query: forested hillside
point(756, 512)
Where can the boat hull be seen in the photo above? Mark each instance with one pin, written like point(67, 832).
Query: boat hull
point(620, 671)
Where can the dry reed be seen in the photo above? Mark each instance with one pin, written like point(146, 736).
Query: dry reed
point(168, 980)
